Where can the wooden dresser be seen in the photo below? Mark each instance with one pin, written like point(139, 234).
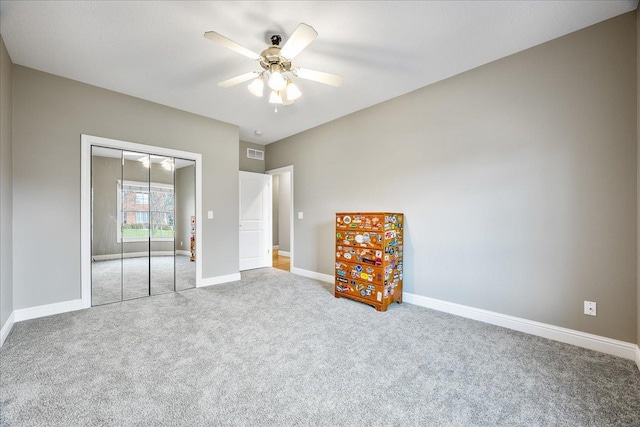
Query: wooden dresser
point(369, 257)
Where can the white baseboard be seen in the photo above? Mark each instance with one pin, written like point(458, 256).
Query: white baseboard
point(217, 280)
point(557, 333)
point(638, 356)
point(4, 332)
point(313, 275)
point(47, 310)
point(284, 254)
point(181, 252)
point(108, 257)
point(276, 247)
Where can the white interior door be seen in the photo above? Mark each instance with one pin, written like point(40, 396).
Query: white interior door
point(255, 221)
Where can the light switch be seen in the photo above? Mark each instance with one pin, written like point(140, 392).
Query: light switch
point(210, 214)
point(300, 215)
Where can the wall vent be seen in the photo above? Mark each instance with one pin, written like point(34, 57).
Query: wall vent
point(255, 154)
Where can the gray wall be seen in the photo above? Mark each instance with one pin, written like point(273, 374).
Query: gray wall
point(284, 212)
point(6, 186)
point(517, 178)
point(50, 113)
point(105, 173)
point(185, 205)
point(247, 164)
point(275, 212)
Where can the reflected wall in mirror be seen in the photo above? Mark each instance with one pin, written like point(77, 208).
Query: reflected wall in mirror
point(106, 249)
point(185, 211)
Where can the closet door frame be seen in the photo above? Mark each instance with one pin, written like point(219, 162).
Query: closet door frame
point(86, 142)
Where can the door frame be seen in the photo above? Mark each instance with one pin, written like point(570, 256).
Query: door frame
point(279, 171)
point(86, 142)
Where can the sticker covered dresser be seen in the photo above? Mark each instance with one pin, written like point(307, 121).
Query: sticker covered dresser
point(369, 257)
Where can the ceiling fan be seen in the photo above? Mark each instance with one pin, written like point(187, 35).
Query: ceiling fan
point(277, 70)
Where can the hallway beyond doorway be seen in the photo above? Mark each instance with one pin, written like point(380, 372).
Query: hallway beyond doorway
point(281, 262)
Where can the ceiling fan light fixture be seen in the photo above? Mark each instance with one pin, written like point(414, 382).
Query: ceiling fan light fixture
point(276, 65)
point(293, 92)
point(275, 97)
point(167, 164)
point(256, 87)
point(145, 161)
point(276, 80)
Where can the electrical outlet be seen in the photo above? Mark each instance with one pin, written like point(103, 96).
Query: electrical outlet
point(590, 308)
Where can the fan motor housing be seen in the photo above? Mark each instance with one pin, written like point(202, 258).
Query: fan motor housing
point(271, 56)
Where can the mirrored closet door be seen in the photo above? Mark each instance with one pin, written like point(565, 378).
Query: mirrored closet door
point(185, 211)
point(143, 207)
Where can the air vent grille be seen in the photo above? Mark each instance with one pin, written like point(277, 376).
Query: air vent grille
point(255, 154)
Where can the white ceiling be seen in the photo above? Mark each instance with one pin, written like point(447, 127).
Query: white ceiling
point(155, 50)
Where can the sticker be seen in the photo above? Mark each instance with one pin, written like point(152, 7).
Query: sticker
point(346, 219)
point(365, 237)
point(369, 270)
point(375, 219)
point(359, 238)
point(342, 273)
point(378, 253)
point(340, 279)
point(358, 268)
point(379, 296)
point(370, 277)
point(363, 293)
point(371, 287)
point(359, 287)
point(390, 234)
point(364, 276)
point(338, 235)
point(347, 256)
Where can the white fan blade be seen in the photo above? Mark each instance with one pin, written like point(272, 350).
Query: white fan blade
point(301, 37)
point(222, 40)
point(239, 79)
point(318, 76)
